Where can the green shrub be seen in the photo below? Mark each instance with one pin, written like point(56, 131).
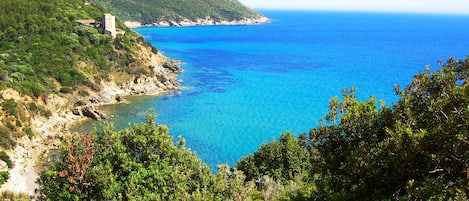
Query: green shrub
point(65, 90)
point(83, 93)
point(79, 103)
point(41, 110)
point(10, 107)
point(29, 132)
point(4, 175)
point(4, 157)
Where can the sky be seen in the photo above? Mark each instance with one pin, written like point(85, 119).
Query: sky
point(418, 6)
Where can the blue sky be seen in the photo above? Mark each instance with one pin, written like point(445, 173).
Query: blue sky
point(420, 6)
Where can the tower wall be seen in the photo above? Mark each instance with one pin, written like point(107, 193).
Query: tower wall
point(109, 25)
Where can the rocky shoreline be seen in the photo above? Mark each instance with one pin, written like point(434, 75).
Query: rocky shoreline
point(207, 21)
point(30, 154)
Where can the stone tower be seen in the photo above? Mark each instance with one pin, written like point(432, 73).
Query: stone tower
point(109, 25)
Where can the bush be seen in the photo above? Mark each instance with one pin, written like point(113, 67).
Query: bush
point(65, 90)
point(4, 175)
point(9, 106)
point(83, 93)
point(5, 137)
point(8, 195)
point(79, 103)
point(4, 157)
point(29, 132)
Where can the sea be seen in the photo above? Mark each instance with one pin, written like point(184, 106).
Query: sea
point(245, 85)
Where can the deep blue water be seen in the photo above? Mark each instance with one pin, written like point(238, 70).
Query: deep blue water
point(248, 84)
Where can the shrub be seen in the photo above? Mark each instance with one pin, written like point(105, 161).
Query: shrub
point(8, 195)
point(83, 93)
point(29, 132)
point(65, 90)
point(4, 157)
point(79, 103)
point(5, 137)
point(9, 106)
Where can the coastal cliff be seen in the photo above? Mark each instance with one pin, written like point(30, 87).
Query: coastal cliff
point(207, 21)
point(183, 12)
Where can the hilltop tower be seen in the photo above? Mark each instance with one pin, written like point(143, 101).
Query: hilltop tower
point(109, 25)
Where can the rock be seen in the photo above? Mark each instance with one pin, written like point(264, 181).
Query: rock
point(173, 66)
point(89, 111)
point(77, 111)
point(101, 98)
point(119, 99)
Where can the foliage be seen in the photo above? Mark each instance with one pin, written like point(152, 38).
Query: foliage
point(41, 41)
point(415, 150)
point(137, 163)
point(14, 121)
point(4, 175)
point(4, 157)
point(8, 195)
point(150, 11)
point(44, 50)
point(285, 159)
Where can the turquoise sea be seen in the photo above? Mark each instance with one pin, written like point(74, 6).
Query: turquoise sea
point(247, 84)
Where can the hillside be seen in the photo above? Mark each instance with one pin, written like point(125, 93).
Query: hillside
point(173, 12)
point(55, 70)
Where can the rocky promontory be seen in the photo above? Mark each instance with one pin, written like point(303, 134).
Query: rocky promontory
point(207, 21)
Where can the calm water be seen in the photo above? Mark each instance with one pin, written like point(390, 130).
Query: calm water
point(248, 84)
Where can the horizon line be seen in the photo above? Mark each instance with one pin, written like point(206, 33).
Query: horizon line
point(364, 11)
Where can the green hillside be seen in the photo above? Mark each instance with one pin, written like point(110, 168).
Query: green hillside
point(150, 11)
point(43, 50)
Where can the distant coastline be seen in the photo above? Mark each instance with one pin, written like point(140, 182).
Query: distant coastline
point(208, 21)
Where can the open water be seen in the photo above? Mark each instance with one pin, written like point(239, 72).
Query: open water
point(248, 84)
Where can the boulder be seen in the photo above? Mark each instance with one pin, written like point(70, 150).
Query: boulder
point(89, 111)
point(173, 66)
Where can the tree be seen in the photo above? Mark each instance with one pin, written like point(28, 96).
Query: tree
point(415, 150)
point(137, 163)
point(285, 159)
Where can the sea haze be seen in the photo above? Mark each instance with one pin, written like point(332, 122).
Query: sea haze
point(248, 84)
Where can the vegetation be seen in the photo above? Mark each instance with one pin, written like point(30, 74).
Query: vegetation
point(415, 150)
point(8, 195)
point(41, 43)
point(4, 157)
point(150, 11)
point(138, 163)
point(43, 51)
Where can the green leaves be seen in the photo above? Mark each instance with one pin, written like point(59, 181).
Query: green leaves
point(285, 159)
point(140, 162)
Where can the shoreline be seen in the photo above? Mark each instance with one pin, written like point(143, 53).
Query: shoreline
point(31, 154)
point(208, 21)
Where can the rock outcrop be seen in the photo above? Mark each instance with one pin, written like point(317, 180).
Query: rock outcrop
point(206, 21)
point(89, 111)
